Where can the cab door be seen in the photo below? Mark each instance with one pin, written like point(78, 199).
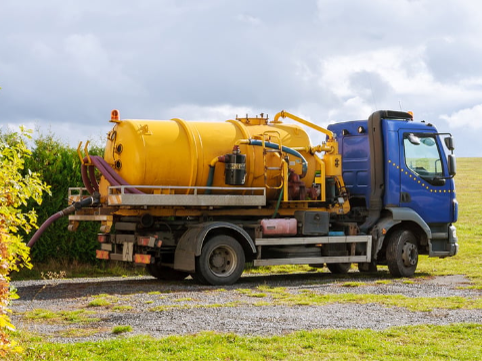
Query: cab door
point(424, 183)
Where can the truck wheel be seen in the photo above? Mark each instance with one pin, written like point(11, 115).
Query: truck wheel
point(316, 265)
point(402, 253)
point(165, 273)
point(367, 267)
point(198, 278)
point(221, 261)
point(339, 268)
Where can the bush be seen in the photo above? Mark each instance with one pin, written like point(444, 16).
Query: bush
point(18, 184)
point(59, 166)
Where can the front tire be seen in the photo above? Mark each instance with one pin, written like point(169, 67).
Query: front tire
point(221, 261)
point(402, 253)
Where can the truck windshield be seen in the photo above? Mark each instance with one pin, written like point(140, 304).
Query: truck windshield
point(422, 156)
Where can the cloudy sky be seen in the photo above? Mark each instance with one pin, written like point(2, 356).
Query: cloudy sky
point(65, 64)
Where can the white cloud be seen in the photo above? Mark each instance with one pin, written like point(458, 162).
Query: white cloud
point(69, 62)
point(249, 19)
point(468, 118)
point(208, 113)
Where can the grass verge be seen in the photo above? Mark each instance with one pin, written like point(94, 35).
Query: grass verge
point(452, 342)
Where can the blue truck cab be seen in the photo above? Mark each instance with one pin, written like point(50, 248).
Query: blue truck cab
point(399, 176)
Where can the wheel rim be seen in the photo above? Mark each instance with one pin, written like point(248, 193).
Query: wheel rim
point(409, 254)
point(222, 261)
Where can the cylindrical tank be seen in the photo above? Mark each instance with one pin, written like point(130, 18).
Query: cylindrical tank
point(179, 153)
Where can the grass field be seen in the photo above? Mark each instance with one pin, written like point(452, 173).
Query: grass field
point(452, 342)
point(469, 227)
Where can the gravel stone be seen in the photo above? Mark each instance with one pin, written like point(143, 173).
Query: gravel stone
point(181, 308)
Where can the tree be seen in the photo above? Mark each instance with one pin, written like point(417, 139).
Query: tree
point(17, 186)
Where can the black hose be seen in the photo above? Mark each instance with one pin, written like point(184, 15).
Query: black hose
point(89, 201)
point(44, 226)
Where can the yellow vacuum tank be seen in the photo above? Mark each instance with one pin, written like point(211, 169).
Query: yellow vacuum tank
point(179, 153)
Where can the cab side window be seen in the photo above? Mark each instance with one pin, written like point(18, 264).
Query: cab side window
point(422, 156)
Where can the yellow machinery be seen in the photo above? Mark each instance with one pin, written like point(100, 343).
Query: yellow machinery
point(255, 152)
point(200, 198)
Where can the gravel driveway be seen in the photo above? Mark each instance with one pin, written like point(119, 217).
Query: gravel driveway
point(250, 307)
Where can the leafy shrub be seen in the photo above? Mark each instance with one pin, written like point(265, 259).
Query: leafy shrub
point(59, 166)
point(18, 184)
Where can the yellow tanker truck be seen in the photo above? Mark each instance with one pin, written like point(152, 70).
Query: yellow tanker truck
point(203, 198)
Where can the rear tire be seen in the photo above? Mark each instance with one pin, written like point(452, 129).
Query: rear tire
point(165, 273)
point(402, 253)
point(198, 278)
point(339, 268)
point(221, 261)
point(367, 267)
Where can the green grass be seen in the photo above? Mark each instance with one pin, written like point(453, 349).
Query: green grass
point(78, 269)
point(75, 316)
point(99, 302)
point(78, 332)
point(353, 284)
point(383, 282)
point(121, 329)
point(469, 227)
point(251, 293)
point(454, 342)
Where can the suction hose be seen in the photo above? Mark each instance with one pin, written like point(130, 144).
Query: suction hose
point(88, 176)
point(89, 201)
point(90, 182)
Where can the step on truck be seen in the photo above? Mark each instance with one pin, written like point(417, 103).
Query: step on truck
point(206, 198)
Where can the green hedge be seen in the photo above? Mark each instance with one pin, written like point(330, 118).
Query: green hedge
point(59, 166)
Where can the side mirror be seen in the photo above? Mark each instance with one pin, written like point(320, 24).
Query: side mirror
point(451, 163)
point(412, 138)
point(449, 143)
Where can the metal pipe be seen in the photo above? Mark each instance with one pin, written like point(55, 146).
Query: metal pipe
point(284, 114)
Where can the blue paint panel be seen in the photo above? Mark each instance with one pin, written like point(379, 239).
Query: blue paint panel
point(355, 151)
point(435, 204)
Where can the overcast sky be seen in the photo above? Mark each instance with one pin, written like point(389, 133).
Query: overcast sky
point(65, 64)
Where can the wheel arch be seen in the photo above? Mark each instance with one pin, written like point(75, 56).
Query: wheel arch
point(191, 242)
point(401, 218)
